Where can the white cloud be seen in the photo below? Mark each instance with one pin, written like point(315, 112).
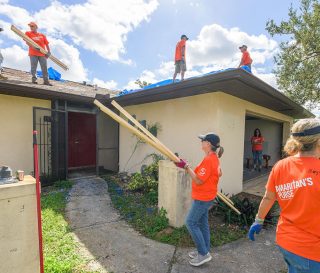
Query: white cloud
point(108, 84)
point(217, 48)
point(216, 45)
point(17, 57)
point(96, 25)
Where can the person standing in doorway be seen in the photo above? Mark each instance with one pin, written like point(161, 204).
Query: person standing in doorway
point(35, 54)
point(205, 180)
point(294, 183)
point(180, 58)
point(257, 148)
point(246, 59)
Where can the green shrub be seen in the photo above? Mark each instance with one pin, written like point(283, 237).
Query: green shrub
point(147, 180)
point(141, 182)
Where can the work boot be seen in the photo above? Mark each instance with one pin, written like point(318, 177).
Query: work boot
point(3, 77)
point(47, 83)
point(199, 260)
point(34, 81)
point(193, 254)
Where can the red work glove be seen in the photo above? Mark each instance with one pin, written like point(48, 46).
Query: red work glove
point(182, 164)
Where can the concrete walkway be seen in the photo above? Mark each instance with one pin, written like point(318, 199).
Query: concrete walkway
point(116, 247)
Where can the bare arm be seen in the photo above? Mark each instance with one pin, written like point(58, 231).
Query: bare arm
point(194, 176)
point(266, 203)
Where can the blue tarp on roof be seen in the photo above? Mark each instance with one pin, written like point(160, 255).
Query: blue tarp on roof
point(169, 81)
point(52, 73)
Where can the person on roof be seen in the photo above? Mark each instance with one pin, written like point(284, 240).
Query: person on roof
point(180, 58)
point(246, 59)
point(35, 54)
point(1, 60)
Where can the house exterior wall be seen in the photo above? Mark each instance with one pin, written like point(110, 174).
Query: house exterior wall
point(183, 119)
point(16, 125)
point(108, 139)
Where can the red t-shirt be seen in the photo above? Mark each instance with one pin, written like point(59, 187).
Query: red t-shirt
point(257, 143)
point(40, 39)
point(296, 182)
point(180, 50)
point(246, 59)
point(208, 172)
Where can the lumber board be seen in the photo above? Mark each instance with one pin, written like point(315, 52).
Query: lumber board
point(161, 148)
point(36, 46)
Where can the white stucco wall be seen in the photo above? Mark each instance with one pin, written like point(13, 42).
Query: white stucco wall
point(16, 123)
point(108, 142)
point(184, 118)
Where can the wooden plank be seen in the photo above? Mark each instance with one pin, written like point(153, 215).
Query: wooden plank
point(157, 145)
point(36, 46)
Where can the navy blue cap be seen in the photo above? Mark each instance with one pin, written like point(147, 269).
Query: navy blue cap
point(184, 36)
point(307, 132)
point(212, 138)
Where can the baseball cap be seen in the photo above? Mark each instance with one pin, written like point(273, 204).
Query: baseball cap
point(212, 138)
point(184, 36)
point(243, 46)
point(32, 24)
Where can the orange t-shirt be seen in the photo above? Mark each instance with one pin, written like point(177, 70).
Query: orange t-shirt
point(296, 182)
point(181, 46)
point(40, 39)
point(208, 172)
point(246, 59)
point(257, 143)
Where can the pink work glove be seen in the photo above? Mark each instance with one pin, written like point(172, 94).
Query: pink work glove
point(182, 164)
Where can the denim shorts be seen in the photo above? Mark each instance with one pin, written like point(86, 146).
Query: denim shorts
point(298, 264)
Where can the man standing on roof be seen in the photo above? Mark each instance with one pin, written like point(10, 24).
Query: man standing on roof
point(1, 60)
point(35, 54)
point(180, 58)
point(246, 59)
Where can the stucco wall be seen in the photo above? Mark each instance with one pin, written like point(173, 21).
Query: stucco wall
point(16, 125)
point(184, 118)
point(108, 142)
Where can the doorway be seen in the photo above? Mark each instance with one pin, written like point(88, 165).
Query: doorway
point(272, 131)
point(81, 140)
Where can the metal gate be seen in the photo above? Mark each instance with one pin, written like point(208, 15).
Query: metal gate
point(51, 126)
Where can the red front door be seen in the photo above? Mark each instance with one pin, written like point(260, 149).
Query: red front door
point(81, 139)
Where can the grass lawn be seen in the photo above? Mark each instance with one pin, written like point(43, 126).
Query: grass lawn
point(60, 249)
point(140, 210)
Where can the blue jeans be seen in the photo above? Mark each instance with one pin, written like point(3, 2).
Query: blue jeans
point(298, 264)
point(198, 225)
point(257, 157)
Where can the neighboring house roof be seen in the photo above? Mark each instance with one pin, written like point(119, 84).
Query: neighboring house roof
point(18, 83)
point(236, 82)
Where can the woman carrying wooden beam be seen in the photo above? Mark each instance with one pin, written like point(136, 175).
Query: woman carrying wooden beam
point(205, 180)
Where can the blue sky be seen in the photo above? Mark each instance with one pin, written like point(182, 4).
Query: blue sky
point(112, 43)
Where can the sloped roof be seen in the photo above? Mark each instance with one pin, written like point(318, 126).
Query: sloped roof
point(235, 82)
point(19, 83)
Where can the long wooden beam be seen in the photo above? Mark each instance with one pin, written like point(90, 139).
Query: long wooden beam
point(36, 46)
point(144, 130)
point(161, 148)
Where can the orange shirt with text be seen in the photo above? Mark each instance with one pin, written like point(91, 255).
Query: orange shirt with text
point(180, 50)
point(40, 39)
point(296, 182)
point(208, 172)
